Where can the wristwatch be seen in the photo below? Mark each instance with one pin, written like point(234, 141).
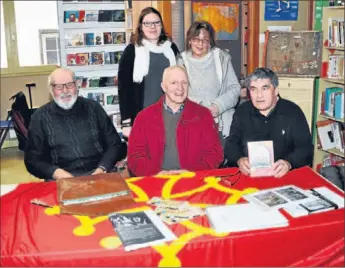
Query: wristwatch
point(103, 168)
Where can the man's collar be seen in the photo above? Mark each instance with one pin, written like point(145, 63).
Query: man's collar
point(275, 108)
point(167, 108)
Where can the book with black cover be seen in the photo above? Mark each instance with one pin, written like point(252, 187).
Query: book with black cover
point(140, 229)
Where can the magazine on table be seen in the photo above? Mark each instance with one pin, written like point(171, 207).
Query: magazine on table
point(261, 158)
point(326, 200)
point(140, 229)
point(279, 197)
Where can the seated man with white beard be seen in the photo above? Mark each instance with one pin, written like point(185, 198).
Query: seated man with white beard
point(70, 136)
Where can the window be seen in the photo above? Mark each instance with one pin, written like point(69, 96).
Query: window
point(3, 40)
point(50, 47)
point(29, 48)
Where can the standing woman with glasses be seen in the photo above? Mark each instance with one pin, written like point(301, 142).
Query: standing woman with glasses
point(141, 67)
point(213, 82)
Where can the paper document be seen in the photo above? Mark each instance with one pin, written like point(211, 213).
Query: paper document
point(244, 217)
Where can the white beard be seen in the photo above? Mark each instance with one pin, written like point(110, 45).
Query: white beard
point(65, 105)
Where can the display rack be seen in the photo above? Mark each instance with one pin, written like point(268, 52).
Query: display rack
point(93, 36)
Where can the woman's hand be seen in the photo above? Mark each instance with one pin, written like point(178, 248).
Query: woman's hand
point(214, 110)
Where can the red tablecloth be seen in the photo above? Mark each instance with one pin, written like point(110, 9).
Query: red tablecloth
point(36, 236)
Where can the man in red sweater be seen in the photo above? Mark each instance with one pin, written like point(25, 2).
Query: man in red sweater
point(174, 134)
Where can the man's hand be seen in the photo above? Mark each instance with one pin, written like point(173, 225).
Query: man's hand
point(61, 174)
point(214, 110)
point(98, 171)
point(280, 168)
point(243, 164)
point(126, 131)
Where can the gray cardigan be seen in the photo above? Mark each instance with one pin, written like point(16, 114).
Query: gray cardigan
point(230, 88)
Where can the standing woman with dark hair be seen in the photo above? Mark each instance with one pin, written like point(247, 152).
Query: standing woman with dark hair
point(213, 82)
point(141, 67)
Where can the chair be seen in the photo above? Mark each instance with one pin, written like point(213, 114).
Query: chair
point(21, 117)
point(4, 128)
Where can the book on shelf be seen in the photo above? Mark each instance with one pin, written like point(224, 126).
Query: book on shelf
point(330, 135)
point(332, 102)
point(335, 67)
point(336, 32)
point(336, 3)
point(78, 16)
point(140, 229)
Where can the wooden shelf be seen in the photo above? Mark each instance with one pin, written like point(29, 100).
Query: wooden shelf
point(335, 81)
point(335, 7)
point(335, 48)
point(335, 152)
point(341, 120)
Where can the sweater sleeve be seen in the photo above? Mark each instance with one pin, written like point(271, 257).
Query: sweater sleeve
point(233, 148)
point(35, 155)
point(113, 151)
point(125, 83)
point(212, 151)
point(230, 97)
point(302, 155)
point(139, 160)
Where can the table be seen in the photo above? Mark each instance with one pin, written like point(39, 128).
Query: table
point(32, 235)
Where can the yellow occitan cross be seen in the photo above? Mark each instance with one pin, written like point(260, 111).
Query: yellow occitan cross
point(168, 252)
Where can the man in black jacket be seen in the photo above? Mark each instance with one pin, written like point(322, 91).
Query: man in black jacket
point(70, 136)
point(269, 117)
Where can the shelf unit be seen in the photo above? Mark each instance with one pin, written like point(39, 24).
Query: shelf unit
point(328, 12)
point(96, 36)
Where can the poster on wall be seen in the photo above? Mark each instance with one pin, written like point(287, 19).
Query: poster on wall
point(276, 10)
point(224, 17)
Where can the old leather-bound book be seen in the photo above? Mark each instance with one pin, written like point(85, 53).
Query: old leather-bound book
point(94, 195)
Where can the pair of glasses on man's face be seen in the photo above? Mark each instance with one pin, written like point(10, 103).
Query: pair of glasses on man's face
point(68, 85)
point(149, 24)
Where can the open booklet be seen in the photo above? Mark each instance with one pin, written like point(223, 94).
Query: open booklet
point(140, 229)
point(296, 200)
point(325, 200)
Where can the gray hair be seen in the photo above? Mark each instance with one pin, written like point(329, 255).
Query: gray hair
point(262, 73)
point(51, 76)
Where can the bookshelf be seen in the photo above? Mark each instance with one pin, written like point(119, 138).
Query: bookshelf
point(326, 106)
point(93, 35)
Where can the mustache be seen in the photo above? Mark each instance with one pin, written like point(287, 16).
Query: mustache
point(66, 95)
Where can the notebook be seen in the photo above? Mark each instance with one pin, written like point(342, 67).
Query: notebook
point(244, 217)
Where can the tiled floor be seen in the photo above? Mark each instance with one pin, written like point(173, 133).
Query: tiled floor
point(13, 170)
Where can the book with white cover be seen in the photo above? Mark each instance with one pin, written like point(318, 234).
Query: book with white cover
point(244, 217)
point(261, 158)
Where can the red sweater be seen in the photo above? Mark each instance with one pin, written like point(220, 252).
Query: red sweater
point(198, 141)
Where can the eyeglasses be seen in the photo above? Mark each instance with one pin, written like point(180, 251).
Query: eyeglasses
point(196, 40)
point(149, 24)
point(68, 85)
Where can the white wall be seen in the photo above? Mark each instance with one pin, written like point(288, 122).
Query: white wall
point(31, 16)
